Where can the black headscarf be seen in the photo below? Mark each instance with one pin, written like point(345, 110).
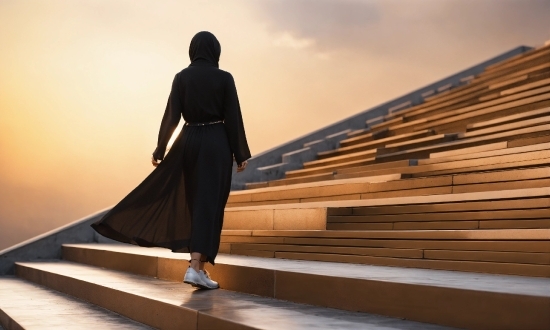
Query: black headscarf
point(204, 49)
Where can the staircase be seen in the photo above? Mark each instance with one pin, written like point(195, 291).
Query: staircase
point(432, 216)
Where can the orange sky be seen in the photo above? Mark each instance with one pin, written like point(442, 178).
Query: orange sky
point(83, 84)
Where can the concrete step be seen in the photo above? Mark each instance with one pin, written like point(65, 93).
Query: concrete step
point(450, 298)
point(175, 305)
point(25, 305)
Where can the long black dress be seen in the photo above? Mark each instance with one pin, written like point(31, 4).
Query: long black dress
point(180, 205)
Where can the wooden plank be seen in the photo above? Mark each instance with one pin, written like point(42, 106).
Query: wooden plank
point(510, 257)
point(491, 167)
point(365, 136)
point(526, 87)
point(467, 266)
point(510, 245)
point(495, 186)
point(468, 91)
point(508, 127)
point(399, 163)
point(303, 179)
point(424, 152)
point(415, 143)
point(441, 225)
point(359, 226)
point(485, 161)
point(515, 224)
point(519, 142)
point(509, 204)
point(256, 185)
point(331, 198)
point(408, 193)
point(385, 124)
point(357, 156)
point(515, 214)
point(514, 100)
point(250, 239)
point(352, 148)
point(257, 203)
point(386, 252)
point(509, 119)
point(500, 149)
point(485, 234)
point(508, 82)
point(459, 122)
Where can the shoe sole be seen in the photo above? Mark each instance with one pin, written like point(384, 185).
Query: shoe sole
point(196, 285)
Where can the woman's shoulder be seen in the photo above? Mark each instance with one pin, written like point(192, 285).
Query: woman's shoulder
point(226, 74)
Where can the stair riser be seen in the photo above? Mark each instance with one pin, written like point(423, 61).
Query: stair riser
point(445, 306)
point(8, 323)
point(147, 311)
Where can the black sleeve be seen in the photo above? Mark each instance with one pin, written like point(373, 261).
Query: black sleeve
point(170, 120)
point(234, 123)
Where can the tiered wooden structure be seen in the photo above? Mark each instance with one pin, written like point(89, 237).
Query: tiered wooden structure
point(453, 194)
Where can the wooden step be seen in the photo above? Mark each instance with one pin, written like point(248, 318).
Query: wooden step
point(460, 120)
point(25, 305)
point(505, 162)
point(348, 167)
point(518, 99)
point(364, 136)
point(518, 59)
point(449, 298)
point(358, 188)
point(312, 215)
point(463, 96)
point(403, 248)
point(374, 144)
point(424, 152)
point(175, 305)
point(416, 143)
point(509, 119)
point(507, 127)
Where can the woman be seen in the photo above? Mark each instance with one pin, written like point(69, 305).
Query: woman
point(180, 205)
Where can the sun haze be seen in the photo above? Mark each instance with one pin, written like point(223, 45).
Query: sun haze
point(84, 83)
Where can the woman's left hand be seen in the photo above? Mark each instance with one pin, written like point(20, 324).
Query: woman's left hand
point(241, 167)
point(154, 162)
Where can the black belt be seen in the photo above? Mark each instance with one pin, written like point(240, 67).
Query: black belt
point(204, 124)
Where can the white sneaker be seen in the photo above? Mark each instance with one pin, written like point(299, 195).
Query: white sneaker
point(205, 277)
point(199, 279)
point(193, 278)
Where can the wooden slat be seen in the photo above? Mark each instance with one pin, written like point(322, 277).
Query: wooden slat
point(468, 266)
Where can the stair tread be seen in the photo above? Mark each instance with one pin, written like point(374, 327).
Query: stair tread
point(243, 309)
point(510, 284)
point(55, 310)
point(443, 198)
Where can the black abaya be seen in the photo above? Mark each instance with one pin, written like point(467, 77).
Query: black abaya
point(180, 205)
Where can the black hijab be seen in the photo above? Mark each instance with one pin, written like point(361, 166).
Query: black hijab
point(204, 49)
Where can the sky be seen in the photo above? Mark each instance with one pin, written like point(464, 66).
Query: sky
point(83, 84)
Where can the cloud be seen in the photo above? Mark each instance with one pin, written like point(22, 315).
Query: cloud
point(409, 30)
point(286, 39)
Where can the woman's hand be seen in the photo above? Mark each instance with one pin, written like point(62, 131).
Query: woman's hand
point(155, 162)
point(241, 167)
